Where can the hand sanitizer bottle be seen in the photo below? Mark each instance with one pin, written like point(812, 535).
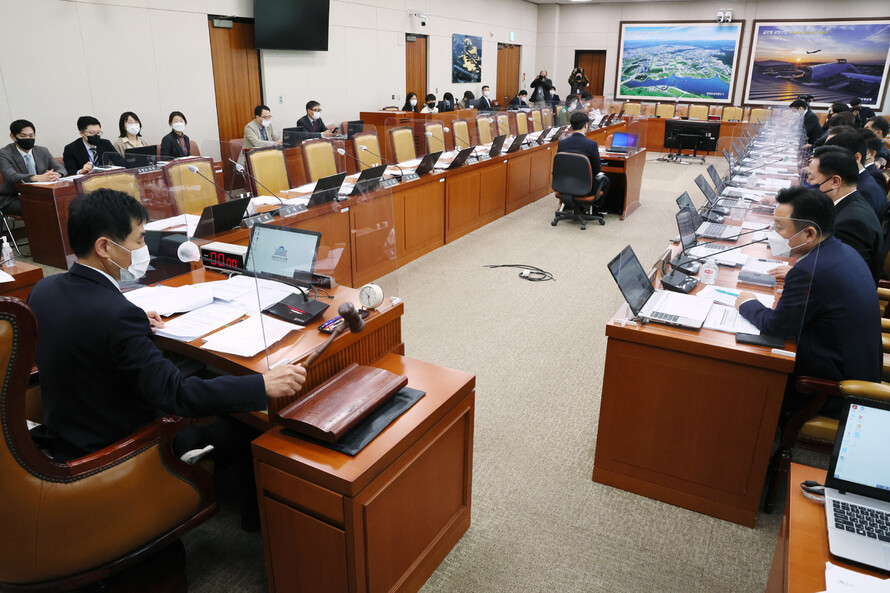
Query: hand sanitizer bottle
point(708, 273)
point(7, 255)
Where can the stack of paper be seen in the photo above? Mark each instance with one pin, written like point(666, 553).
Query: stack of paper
point(187, 222)
point(249, 337)
point(759, 265)
point(842, 580)
point(167, 300)
point(199, 322)
point(727, 319)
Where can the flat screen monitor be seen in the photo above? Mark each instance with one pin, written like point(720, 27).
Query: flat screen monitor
point(280, 250)
point(699, 135)
point(291, 24)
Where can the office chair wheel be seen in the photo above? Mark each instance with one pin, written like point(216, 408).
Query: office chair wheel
point(602, 222)
point(553, 223)
point(583, 226)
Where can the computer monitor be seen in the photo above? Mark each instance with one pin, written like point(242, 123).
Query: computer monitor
point(280, 251)
point(296, 136)
point(623, 142)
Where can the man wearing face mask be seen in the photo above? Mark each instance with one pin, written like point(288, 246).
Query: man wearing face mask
point(90, 150)
point(259, 132)
point(23, 161)
point(834, 172)
point(828, 304)
point(102, 378)
point(541, 93)
point(312, 122)
point(484, 102)
point(429, 104)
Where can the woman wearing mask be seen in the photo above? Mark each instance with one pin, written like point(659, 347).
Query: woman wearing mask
point(467, 101)
point(430, 104)
point(176, 143)
point(447, 102)
point(410, 103)
point(572, 104)
point(130, 132)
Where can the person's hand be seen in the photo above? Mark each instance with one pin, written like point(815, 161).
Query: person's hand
point(744, 297)
point(768, 200)
point(47, 176)
point(327, 134)
point(277, 142)
point(154, 319)
point(284, 381)
point(86, 169)
point(779, 271)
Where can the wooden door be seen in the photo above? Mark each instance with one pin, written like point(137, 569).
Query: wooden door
point(508, 72)
point(415, 66)
point(236, 77)
point(594, 64)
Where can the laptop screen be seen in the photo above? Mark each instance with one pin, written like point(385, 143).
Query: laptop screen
point(631, 279)
point(686, 226)
point(715, 177)
point(623, 140)
point(859, 462)
point(281, 250)
point(706, 189)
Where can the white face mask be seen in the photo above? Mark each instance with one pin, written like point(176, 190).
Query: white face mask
point(779, 245)
point(139, 259)
point(178, 126)
point(133, 128)
point(413, 102)
point(315, 115)
point(266, 123)
point(486, 94)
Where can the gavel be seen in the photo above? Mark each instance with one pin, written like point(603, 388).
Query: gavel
point(352, 320)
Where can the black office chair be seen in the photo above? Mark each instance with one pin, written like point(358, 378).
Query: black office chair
point(581, 194)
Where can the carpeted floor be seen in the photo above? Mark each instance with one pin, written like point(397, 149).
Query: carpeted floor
point(537, 348)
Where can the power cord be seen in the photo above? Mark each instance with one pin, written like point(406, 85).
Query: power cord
point(530, 273)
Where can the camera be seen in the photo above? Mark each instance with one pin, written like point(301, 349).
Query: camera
point(424, 18)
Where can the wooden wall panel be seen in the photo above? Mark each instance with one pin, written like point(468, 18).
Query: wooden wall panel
point(508, 72)
point(236, 77)
point(415, 67)
point(594, 64)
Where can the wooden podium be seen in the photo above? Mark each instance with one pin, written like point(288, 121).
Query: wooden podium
point(384, 519)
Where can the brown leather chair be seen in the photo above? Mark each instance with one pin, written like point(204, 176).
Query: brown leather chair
point(318, 157)
point(483, 128)
point(124, 181)
point(192, 192)
point(807, 429)
point(502, 120)
point(369, 140)
point(698, 112)
point(435, 141)
point(537, 120)
point(630, 109)
point(66, 525)
point(547, 116)
point(269, 167)
point(402, 142)
point(460, 134)
point(520, 122)
point(732, 114)
point(665, 110)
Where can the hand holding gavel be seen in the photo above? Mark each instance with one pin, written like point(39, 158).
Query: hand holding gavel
point(352, 320)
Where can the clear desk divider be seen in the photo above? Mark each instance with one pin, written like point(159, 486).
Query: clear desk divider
point(637, 133)
point(63, 193)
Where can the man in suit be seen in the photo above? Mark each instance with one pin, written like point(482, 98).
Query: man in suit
point(311, 122)
point(833, 171)
point(862, 113)
point(866, 186)
point(23, 161)
point(101, 376)
point(828, 304)
point(810, 120)
point(578, 142)
point(484, 102)
point(90, 150)
point(541, 93)
point(881, 129)
point(519, 101)
point(259, 131)
point(872, 145)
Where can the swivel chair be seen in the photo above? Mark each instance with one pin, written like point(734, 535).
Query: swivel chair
point(578, 191)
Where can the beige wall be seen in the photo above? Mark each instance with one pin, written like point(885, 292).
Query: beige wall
point(564, 28)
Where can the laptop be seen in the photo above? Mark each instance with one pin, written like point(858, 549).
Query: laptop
point(221, 217)
point(718, 204)
point(715, 177)
point(713, 230)
point(686, 225)
point(141, 156)
point(660, 306)
point(368, 180)
point(857, 488)
point(354, 127)
point(623, 142)
point(496, 145)
point(296, 136)
point(280, 250)
point(517, 143)
point(326, 189)
point(684, 201)
point(460, 158)
point(427, 163)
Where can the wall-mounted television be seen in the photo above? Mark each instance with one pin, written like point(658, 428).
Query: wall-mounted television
point(291, 24)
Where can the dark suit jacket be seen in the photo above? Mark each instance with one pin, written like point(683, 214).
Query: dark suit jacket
point(829, 304)
point(873, 171)
point(857, 225)
point(484, 104)
point(170, 145)
point(581, 144)
point(13, 169)
point(811, 125)
point(517, 102)
point(304, 124)
point(873, 193)
point(545, 85)
point(101, 376)
point(75, 155)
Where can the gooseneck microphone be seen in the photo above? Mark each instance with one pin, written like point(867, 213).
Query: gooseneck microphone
point(243, 171)
point(364, 148)
point(700, 244)
point(197, 171)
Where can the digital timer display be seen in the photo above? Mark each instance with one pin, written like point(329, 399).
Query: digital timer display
point(222, 258)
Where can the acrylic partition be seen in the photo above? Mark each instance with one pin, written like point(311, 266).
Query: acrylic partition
point(637, 133)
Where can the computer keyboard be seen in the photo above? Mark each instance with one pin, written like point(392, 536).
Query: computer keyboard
point(712, 229)
point(862, 520)
point(665, 317)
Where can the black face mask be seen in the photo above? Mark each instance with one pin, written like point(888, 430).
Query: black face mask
point(25, 143)
point(94, 140)
point(431, 104)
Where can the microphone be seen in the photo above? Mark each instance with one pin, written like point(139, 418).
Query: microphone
point(700, 244)
point(469, 144)
point(364, 148)
point(240, 168)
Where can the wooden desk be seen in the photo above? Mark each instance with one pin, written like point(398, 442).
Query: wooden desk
point(384, 519)
point(26, 276)
point(802, 547)
point(625, 179)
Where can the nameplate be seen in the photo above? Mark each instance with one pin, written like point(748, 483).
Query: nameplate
point(471, 161)
point(265, 217)
point(410, 177)
point(388, 183)
point(524, 147)
point(291, 210)
point(533, 144)
point(484, 157)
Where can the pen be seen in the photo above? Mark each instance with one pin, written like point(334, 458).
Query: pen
point(721, 291)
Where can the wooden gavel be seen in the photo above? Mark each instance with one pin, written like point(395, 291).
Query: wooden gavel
point(352, 320)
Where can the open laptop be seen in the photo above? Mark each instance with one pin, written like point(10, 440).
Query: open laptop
point(713, 230)
point(496, 145)
point(427, 163)
point(221, 217)
point(517, 143)
point(556, 134)
point(280, 250)
point(368, 180)
point(857, 488)
point(460, 158)
point(623, 142)
point(718, 204)
point(141, 156)
point(660, 306)
point(684, 201)
point(715, 177)
point(326, 189)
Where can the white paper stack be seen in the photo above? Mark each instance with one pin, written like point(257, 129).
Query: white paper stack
point(249, 337)
point(184, 221)
point(200, 322)
point(167, 300)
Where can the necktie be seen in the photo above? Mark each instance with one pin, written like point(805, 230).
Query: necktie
point(94, 156)
point(29, 163)
point(263, 133)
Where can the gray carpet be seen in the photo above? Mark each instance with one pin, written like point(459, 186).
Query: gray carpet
point(539, 523)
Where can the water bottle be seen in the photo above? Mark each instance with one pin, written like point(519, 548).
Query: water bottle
point(708, 272)
point(6, 254)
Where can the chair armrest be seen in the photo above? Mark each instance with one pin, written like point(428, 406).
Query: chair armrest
point(885, 324)
point(818, 386)
point(866, 389)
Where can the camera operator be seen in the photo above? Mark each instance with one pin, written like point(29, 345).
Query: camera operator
point(541, 93)
point(578, 81)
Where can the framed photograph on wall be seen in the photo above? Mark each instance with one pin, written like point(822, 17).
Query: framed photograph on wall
point(832, 60)
point(691, 61)
point(466, 58)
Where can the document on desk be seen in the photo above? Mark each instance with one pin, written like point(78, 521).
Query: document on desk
point(727, 296)
point(843, 580)
point(167, 300)
point(200, 322)
point(4, 277)
point(727, 319)
point(731, 258)
point(249, 337)
point(233, 288)
point(263, 294)
point(758, 265)
point(189, 221)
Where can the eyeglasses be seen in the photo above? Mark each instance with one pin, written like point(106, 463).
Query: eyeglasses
point(316, 110)
point(266, 117)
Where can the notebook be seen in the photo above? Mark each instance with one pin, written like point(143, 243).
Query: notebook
point(517, 143)
point(368, 180)
point(715, 177)
point(496, 145)
point(660, 306)
point(857, 488)
point(711, 230)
